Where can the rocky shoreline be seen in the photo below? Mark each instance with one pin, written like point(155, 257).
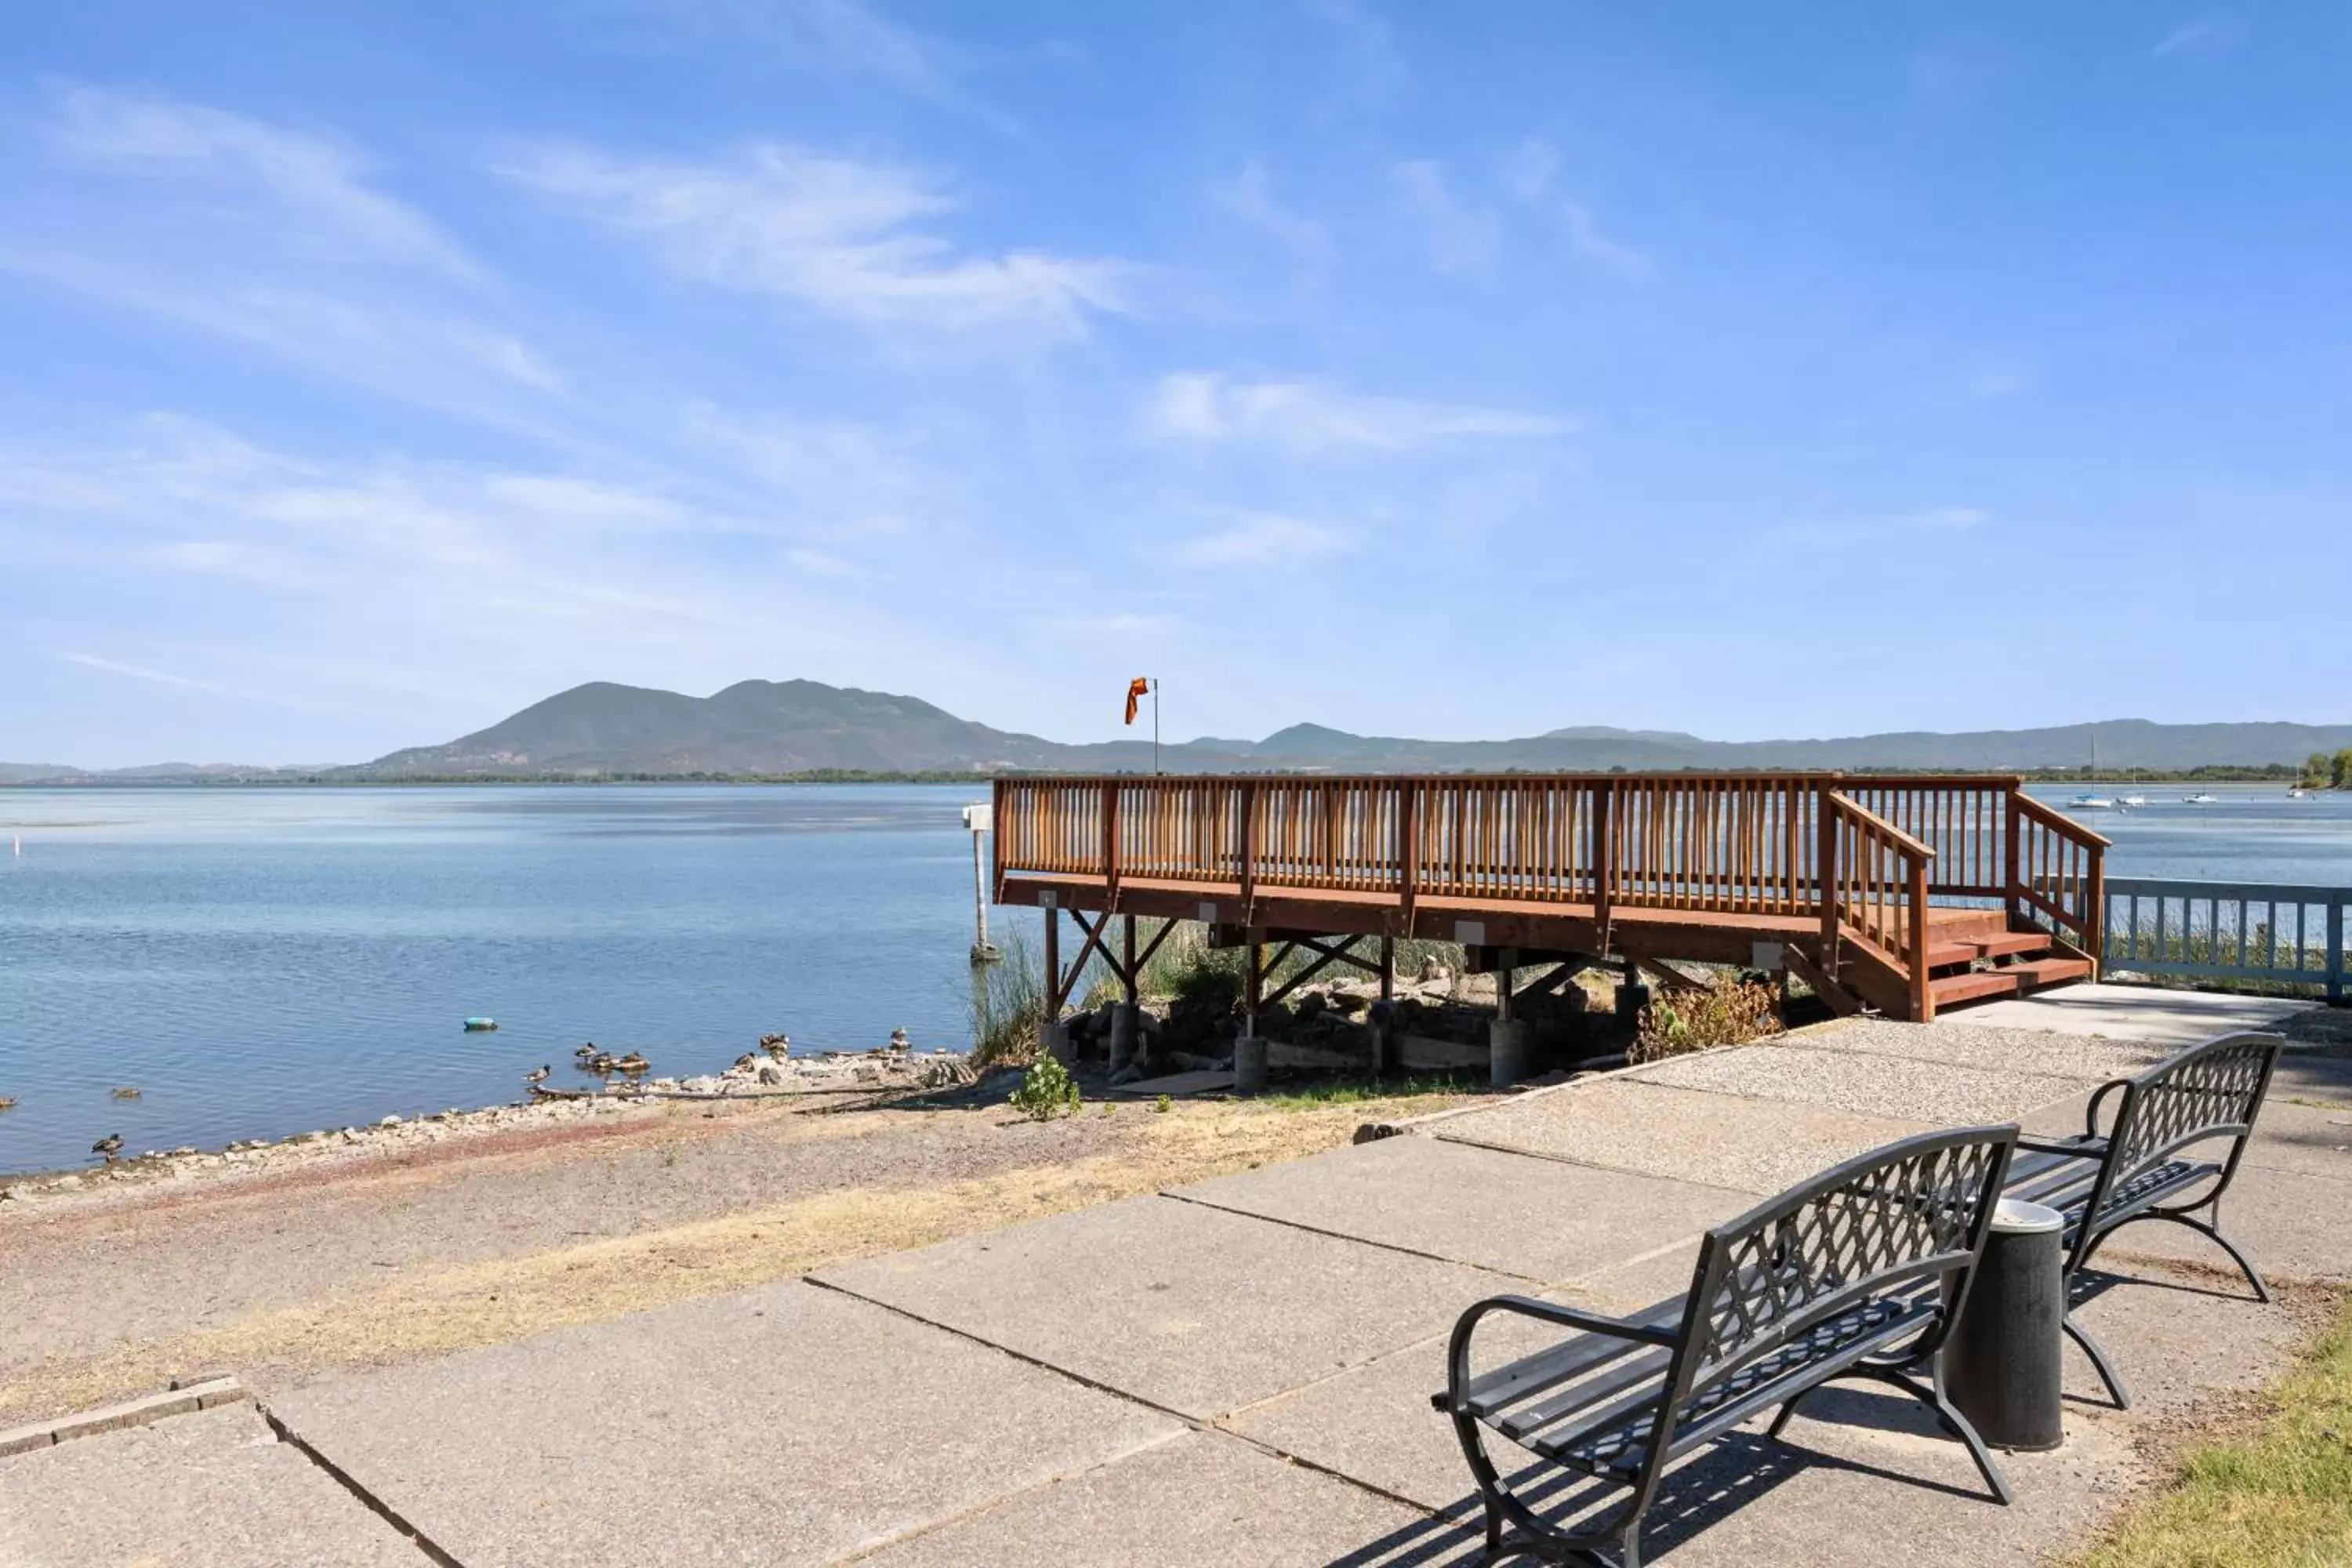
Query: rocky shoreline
point(831, 1076)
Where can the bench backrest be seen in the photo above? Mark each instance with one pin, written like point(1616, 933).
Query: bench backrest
point(2208, 1091)
point(1892, 1222)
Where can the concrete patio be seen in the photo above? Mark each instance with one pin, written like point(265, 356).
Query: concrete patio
point(1239, 1371)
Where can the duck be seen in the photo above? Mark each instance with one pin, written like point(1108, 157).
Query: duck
point(538, 1076)
point(777, 1045)
point(124, 1093)
point(586, 1051)
point(635, 1062)
point(600, 1063)
point(898, 1041)
point(7, 1103)
point(108, 1146)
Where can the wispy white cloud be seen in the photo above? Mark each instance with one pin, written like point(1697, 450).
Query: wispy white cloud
point(834, 234)
point(315, 194)
point(1249, 196)
point(2203, 38)
point(1942, 523)
point(1585, 236)
point(1461, 237)
point(445, 572)
point(1309, 416)
point(189, 683)
point(1531, 174)
point(832, 35)
point(278, 239)
point(1262, 539)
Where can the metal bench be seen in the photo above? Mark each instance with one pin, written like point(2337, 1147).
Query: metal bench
point(2139, 1168)
point(1844, 1276)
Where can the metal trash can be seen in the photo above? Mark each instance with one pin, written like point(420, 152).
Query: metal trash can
point(2002, 1363)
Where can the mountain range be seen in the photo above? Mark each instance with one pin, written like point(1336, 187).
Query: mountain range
point(761, 727)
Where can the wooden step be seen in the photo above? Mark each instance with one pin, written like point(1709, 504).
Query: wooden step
point(1944, 954)
point(2036, 973)
point(1948, 990)
point(2012, 941)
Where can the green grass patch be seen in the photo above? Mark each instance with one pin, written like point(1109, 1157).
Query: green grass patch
point(2279, 1496)
point(1358, 1090)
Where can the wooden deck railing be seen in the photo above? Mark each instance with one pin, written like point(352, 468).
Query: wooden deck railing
point(1879, 892)
point(1864, 855)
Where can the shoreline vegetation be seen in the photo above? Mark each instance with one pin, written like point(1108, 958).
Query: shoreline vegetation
point(2320, 772)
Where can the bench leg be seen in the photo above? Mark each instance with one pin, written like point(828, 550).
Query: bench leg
point(2105, 1369)
point(1780, 1422)
point(1948, 1416)
point(2212, 1230)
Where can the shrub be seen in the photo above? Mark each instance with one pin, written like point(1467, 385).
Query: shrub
point(1728, 1012)
point(1046, 1091)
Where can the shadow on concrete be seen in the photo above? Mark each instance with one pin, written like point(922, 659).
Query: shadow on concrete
point(1732, 1473)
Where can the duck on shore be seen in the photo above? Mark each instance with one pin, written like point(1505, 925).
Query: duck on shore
point(777, 1045)
point(107, 1147)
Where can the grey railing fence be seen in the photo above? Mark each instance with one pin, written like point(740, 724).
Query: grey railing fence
point(2262, 932)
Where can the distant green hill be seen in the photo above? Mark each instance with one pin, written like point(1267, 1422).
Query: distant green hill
point(769, 726)
point(796, 726)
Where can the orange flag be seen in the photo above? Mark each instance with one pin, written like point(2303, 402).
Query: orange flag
point(1137, 689)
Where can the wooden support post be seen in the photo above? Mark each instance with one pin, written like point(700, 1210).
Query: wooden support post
point(1247, 856)
point(1923, 998)
point(1110, 842)
point(1124, 1022)
point(2094, 910)
point(2011, 831)
point(1605, 860)
point(1826, 869)
point(1408, 851)
point(1053, 965)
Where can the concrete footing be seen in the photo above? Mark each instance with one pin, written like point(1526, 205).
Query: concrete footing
point(1506, 1052)
point(1053, 1040)
point(1249, 1065)
point(1122, 1035)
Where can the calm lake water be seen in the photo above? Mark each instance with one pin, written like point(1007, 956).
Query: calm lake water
point(263, 961)
point(260, 962)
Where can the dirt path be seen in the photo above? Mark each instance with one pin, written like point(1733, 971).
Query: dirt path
point(378, 1259)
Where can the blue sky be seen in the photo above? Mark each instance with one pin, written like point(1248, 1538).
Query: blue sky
point(370, 371)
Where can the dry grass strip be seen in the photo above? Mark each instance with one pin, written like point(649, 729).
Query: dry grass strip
point(433, 1313)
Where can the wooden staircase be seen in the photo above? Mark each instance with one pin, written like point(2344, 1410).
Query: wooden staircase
point(1980, 959)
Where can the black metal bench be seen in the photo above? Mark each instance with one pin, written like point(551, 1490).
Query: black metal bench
point(2139, 1169)
point(1843, 1276)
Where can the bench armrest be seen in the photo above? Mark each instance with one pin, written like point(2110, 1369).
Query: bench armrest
point(2079, 1148)
point(1578, 1317)
point(1458, 1380)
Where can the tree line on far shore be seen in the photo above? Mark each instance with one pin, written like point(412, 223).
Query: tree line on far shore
point(2321, 771)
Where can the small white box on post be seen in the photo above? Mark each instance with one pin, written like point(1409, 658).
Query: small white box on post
point(978, 820)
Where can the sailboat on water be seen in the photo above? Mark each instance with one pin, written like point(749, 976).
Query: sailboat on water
point(2087, 801)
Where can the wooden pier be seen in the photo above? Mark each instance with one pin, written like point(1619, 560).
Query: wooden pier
point(1902, 894)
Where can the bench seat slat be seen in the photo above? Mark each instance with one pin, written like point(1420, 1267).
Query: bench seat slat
point(1614, 1439)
